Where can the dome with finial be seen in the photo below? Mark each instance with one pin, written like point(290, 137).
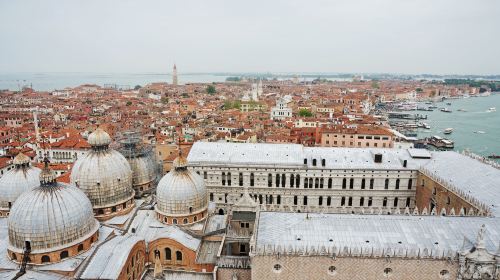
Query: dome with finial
point(105, 176)
point(51, 217)
point(181, 192)
point(13, 183)
point(99, 138)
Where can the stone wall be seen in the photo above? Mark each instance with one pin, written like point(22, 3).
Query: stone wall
point(323, 267)
point(229, 273)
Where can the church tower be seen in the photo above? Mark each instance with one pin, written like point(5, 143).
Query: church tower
point(174, 76)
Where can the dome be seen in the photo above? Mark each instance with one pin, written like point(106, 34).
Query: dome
point(51, 217)
point(99, 138)
point(181, 191)
point(104, 175)
point(21, 178)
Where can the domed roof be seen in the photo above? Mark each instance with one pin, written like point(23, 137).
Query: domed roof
point(181, 191)
point(99, 138)
point(104, 175)
point(18, 180)
point(143, 168)
point(52, 216)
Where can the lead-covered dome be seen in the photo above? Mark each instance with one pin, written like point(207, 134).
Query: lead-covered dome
point(105, 176)
point(13, 183)
point(181, 193)
point(51, 217)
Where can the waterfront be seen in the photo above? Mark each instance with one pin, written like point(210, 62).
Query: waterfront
point(466, 124)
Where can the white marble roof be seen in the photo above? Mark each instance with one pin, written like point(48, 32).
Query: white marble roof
point(109, 259)
point(30, 275)
point(470, 176)
point(147, 227)
point(293, 155)
point(312, 233)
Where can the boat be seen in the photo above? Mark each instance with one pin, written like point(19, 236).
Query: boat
point(440, 142)
point(479, 132)
point(449, 103)
point(495, 156)
point(446, 110)
point(492, 109)
point(433, 107)
point(462, 110)
point(426, 126)
point(448, 131)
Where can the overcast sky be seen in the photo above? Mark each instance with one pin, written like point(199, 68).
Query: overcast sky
point(396, 36)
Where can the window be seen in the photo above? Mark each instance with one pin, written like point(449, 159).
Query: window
point(174, 221)
point(328, 201)
point(283, 180)
point(269, 180)
point(386, 186)
point(305, 161)
point(185, 221)
point(205, 176)
point(397, 184)
point(310, 183)
point(297, 181)
point(370, 201)
point(351, 183)
point(408, 200)
point(45, 258)
point(223, 178)
point(387, 272)
point(332, 270)
point(178, 256)
point(344, 181)
point(363, 183)
point(320, 201)
point(292, 180)
point(444, 274)
point(395, 202)
point(305, 200)
point(410, 183)
point(277, 180)
point(384, 202)
point(316, 183)
point(314, 162)
point(342, 201)
point(362, 201)
point(80, 248)
point(277, 268)
point(168, 254)
point(295, 200)
point(211, 197)
point(323, 162)
point(349, 203)
point(252, 180)
point(330, 183)
point(278, 199)
point(64, 254)
point(241, 179)
point(434, 191)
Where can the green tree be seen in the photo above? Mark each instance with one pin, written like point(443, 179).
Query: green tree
point(185, 95)
point(129, 103)
point(211, 90)
point(164, 99)
point(419, 90)
point(375, 84)
point(137, 87)
point(305, 113)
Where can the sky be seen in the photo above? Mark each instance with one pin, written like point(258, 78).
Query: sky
point(335, 36)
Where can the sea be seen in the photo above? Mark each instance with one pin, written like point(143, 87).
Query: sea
point(466, 125)
point(475, 127)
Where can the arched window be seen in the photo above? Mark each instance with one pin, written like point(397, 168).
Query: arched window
point(344, 183)
point(229, 178)
point(448, 200)
point(395, 202)
point(241, 179)
point(363, 183)
point(351, 183)
point(320, 201)
point(100, 212)
point(45, 259)
point(64, 254)
point(410, 183)
point(434, 191)
point(372, 181)
point(269, 180)
point(332, 270)
point(14, 257)
point(80, 247)
point(178, 256)
point(384, 202)
point(190, 210)
point(277, 267)
point(223, 178)
point(342, 201)
point(316, 183)
point(174, 221)
point(277, 180)
point(260, 199)
point(330, 182)
point(314, 162)
point(387, 271)
point(295, 200)
point(113, 209)
point(221, 211)
point(195, 218)
point(386, 186)
point(292, 180)
point(211, 197)
point(328, 201)
point(283, 180)
point(185, 221)
point(297, 181)
point(397, 184)
point(168, 254)
point(323, 162)
point(278, 199)
point(362, 201)
point(305, 200)
point(252, 180)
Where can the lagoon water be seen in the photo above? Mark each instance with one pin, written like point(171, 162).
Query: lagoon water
point(464, 124)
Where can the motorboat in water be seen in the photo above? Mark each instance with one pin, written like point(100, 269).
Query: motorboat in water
point(448, 130)
point(492, 109)
point(446, 110)
point(479, 132)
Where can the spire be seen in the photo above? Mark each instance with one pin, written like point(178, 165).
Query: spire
point(180, 162)
point(480, 238)
point(47, 176)
point(174, 75)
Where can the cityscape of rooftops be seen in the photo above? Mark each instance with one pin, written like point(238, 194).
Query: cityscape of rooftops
point(232, 140)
